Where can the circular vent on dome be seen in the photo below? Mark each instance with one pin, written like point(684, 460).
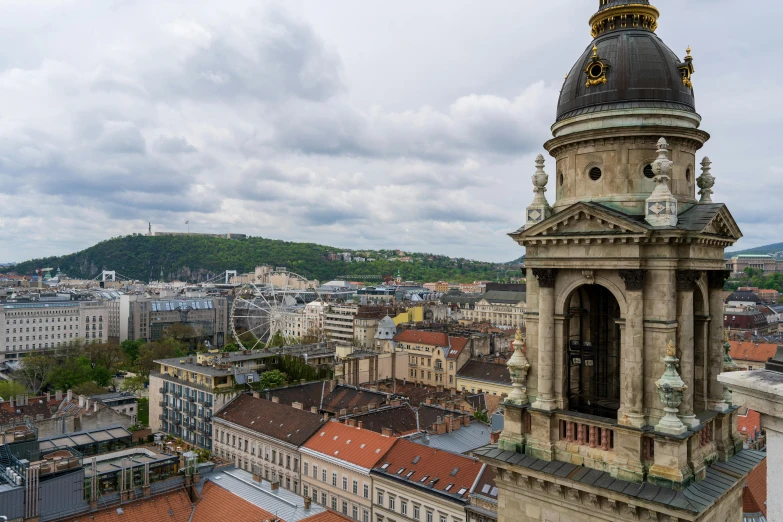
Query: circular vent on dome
point(595, 174)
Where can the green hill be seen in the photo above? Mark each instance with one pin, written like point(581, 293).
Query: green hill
point(198, 258)
point(766, 249)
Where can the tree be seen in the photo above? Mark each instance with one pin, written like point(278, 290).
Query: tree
point(10, 389)
point(157, 350)
point(272, 379)
point(181, 332)
point(105, 355)
point(131, 349)
point(35, 372)
point(88, 389)
point(133, 384)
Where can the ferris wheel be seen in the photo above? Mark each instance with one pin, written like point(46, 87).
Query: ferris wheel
point(282, 305)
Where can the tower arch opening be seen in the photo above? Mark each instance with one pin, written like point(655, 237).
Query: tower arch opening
point(593, 344)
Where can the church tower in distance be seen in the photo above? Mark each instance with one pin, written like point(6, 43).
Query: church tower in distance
point(617, 413)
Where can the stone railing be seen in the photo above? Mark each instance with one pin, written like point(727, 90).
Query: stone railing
point(586, 433)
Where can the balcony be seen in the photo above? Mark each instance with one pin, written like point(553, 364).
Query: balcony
point(162, 404)
point(413, 364)
point(438, 369)
point(580, 431)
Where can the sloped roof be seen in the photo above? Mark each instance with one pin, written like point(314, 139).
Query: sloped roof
point(744, 297)
point(327, 516)
point(220, 504)
point(457, 344)
point(748, 351)
point(402, 420)
point(173, 507)
point(275, 420)
point(421, 337)
point(754, 497)
point(749, 424)
point(308, 394)
point(35, 406)
point(485, 486)
point(500, 296)
point(357, 446)
point(463, 440)
point(428, 468)
point(346, 397)
point(486, 371)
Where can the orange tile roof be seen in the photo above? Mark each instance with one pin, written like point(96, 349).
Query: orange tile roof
point(754, 498)
point(749, 424)
point(420, 337)
point(327, 516)
point(218, 504)
point(457, 344)
point(354, 445)
point(748, 351)
point(174, 507)
point(452, 469)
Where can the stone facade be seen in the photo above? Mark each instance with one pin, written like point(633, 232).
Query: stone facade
point(628, 264)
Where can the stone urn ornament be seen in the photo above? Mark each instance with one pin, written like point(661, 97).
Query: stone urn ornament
point(539, 210)
point(706, 181)
point(518, 366)
point(670, 390)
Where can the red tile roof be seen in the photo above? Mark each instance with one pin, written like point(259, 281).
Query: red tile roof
point(420, 337)
point(454, 473)
point(748, 351)
point(360, 447)
point(220, 504)
point(749, 424)
point(754, 498)
point(440, 339)
point(174, 507)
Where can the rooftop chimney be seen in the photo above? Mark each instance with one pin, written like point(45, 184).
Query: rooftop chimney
point(256, 395)
point(360, 424)
point(81, 400)
point(332, 384)
point(48, 397)
point(95, 406)
point(69, 396)
point(297, 405)
point(326, 416)
point(428, 400)
point(275, 485)
point(58, 395)
point(313, 409)
point(372, 406)
point(387, 432)
point(276, 399)
point(343, 412)
point(307, 502)
point(86, 403)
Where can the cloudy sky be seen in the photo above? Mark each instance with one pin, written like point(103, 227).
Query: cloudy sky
point(363, 124)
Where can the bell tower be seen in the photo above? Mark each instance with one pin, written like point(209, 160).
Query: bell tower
point(620, 413)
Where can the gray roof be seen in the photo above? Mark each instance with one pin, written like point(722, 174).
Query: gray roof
point(500, 296)
point(281, 503)
point(466, 439)
point(695, 499)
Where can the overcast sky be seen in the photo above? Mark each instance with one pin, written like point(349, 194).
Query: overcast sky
point(353, 123)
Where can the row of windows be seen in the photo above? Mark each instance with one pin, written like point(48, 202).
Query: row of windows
point(249, 447)
point(40, 329)
point(34, 320)
point(416, 510)
point(354, 509)
point(354, 484)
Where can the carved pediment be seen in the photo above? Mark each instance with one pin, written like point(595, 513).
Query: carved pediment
point(584, 220)
point(723, 224)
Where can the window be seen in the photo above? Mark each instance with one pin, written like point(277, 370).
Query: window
point(429, 516)
point(355, 513)
point(443, 518)
point(334, 479)
point(323, 499)
point(315, 495)
point(306, 470)
point(334, 503)
point(315, 471)
point(323, 475)
point(366, 516)
point(345, 483)
point(366, 491)
point(380, 498)
point(305, 491)
point(355, 487)
point(392, 501)
point(345, 507)
point(403, 507)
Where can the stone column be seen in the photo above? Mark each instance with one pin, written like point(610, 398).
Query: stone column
point(546, 338)
point(715, 401)
point(632, 376)
point(686, 284)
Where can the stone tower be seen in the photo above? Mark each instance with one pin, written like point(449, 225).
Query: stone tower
point(626, 419)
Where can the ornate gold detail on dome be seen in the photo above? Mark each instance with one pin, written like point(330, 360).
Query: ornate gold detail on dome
point(629, 16)
point(596, 70)
point(686, 69)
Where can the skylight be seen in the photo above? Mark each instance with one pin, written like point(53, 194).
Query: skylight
point(494, 492)
point(400, 471)
point(362, 446)
point(461, 491)
point(424, 479)
point(485, 489)
point(448, 487)
point(385, 465)
point(416, 460)
point(454, 472)
point(411, 472)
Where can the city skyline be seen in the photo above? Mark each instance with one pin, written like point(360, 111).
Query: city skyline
point(344, 124)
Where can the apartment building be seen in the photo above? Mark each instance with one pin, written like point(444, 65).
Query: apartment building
point(415, 482)
point(185, 392)
point(264, 437)
point(30, 326)
point(336, 465)
point(151, 319)
point(338, 322)
point(434, 358)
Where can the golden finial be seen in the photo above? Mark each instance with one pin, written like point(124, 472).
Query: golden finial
point(670, 351)
point(566, 76)
point(688, 50)
point(519, 335)
point(595, 51)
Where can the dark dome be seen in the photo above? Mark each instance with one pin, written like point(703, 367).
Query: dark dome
point(640, 71)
